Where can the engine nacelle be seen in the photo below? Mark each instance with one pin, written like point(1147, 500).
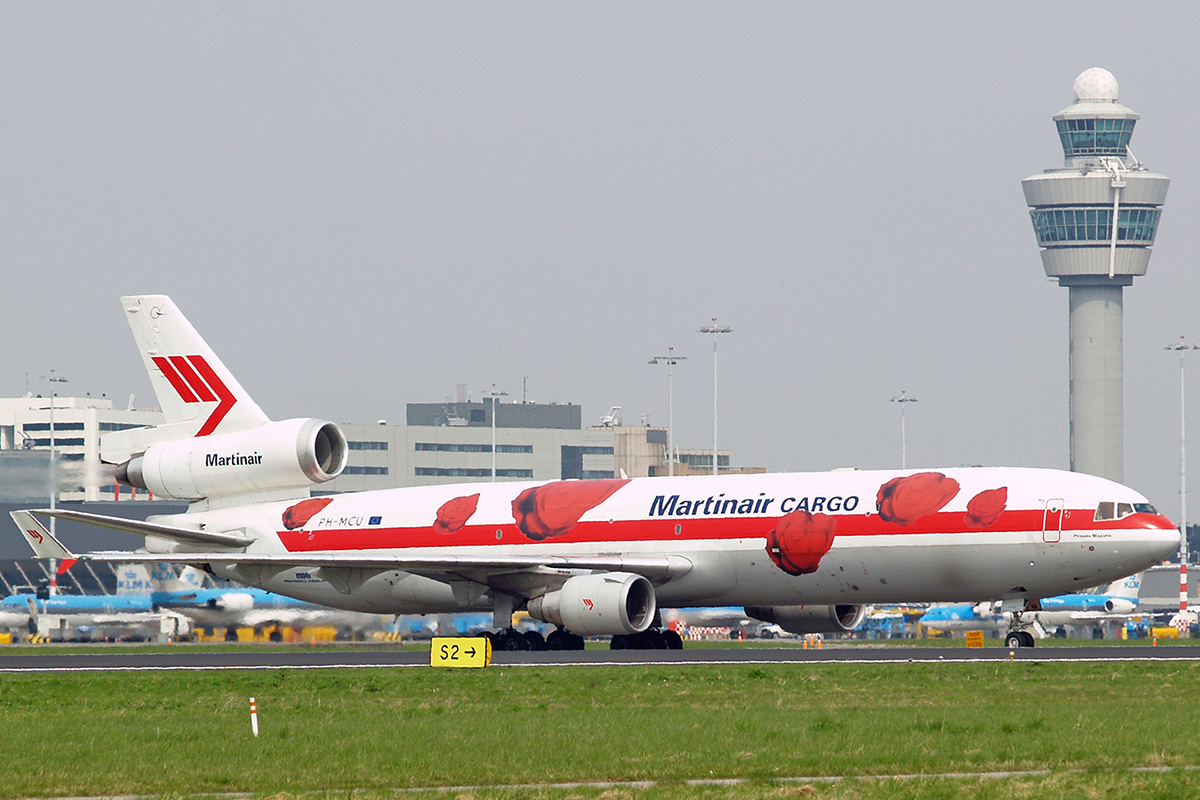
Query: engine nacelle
point(608, 604)
point(1119, 605)
point(230, 602)
point(811, 619)
point(275, 455)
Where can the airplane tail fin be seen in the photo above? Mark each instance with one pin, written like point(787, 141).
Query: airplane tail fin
point(164, 580)
point(1127, 588)
point(195, 390)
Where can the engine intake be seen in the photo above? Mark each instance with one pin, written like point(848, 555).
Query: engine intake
point(608, 604)
point(276, 455)
point(811, 619)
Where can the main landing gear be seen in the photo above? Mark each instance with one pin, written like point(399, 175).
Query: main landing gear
point(653, 639)
point(562, 639)
point(512, 640)
point(1019, 631)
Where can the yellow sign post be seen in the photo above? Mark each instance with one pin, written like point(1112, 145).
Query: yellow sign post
point(974, 638)
point(460, 651)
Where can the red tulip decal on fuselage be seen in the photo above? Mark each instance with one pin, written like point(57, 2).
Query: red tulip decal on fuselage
point(454, 513)
point(905, 500)
point(553, 509)
point(799, 541)
point(297, 516)
point(986, 507)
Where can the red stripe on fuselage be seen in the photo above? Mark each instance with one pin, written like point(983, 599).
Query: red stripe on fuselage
point(690, 529)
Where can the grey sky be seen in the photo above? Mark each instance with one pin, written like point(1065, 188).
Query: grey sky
point(363, 205)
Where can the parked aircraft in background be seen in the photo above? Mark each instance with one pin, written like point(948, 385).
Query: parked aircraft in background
point(1117, 601)
point(594, 557)
point(223, 607)
point(71, 616)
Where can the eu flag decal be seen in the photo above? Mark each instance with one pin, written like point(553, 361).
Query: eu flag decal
point(375, 521)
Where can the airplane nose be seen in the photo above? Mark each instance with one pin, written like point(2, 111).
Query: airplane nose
point(1164, 542)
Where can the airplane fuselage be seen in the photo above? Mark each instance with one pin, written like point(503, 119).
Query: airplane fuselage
point(760, 540)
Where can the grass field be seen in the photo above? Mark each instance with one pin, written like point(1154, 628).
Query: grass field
point(334, 731)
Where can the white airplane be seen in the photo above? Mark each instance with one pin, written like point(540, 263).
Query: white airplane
point(594, 557)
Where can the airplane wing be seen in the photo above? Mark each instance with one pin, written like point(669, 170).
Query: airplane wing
point(343, 570)
point(140, 528)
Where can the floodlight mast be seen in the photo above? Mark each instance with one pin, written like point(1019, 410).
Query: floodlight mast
point(714, 329)
point(903, 398)
point(494, 395)
point(1182, 347)
point(670, 360)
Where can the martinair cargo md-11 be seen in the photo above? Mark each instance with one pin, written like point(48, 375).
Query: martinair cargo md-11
point(806, 551)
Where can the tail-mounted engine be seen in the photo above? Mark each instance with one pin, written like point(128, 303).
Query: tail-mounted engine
point(811, 619)
point(598, 605)
point(275, 455)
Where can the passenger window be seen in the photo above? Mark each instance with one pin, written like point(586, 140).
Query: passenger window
point(1104, 511)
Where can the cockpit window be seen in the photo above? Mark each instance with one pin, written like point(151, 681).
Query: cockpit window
point(1109, 510)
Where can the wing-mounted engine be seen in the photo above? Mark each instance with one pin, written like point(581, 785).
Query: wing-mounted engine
point(294, 453)
point(811, 619)
point(596, 605)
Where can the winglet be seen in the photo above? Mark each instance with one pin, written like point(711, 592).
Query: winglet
point(43, 543)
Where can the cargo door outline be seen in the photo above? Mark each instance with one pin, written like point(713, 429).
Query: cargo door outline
point(1052, 520)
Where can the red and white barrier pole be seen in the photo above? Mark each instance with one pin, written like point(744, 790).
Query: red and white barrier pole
point(1183, 589)
point(253, 717)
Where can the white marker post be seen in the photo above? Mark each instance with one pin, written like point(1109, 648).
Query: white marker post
point(253, 717)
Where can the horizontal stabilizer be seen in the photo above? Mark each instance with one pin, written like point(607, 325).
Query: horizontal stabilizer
point(40, 539)
point(139, 528)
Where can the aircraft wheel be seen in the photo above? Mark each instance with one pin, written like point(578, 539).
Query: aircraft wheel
point(653, 640)
point(231, 634)
point(558, 640)
point(620, 642)
point(534, 640)
point(673, 639)
point(576, 642)
point(1028, 638)
point(510, 640)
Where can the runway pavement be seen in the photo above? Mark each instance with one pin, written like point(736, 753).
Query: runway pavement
point(113, 659)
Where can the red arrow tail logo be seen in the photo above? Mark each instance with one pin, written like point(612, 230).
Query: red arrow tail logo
point(195, 382)
point(590, 605)
point(35, 535)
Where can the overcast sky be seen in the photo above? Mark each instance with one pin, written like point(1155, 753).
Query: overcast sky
point(364, 205)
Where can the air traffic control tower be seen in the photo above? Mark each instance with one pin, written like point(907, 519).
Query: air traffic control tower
point(1073, 209)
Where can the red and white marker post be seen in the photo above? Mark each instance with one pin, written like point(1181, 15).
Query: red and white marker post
point(253, 717)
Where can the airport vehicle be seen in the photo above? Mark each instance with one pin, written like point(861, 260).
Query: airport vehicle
point(594, 557)
point(1115, 602)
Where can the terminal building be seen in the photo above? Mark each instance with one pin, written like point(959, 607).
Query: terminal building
point(441, 443)
point(463, 442)
point(27, 425)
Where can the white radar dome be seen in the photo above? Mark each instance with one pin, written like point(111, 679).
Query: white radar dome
point(1096, 84)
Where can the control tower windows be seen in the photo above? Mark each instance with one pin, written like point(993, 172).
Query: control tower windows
point(1056, 225)
point(1084, 137)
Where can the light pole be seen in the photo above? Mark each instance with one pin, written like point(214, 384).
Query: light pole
point(494, 395)
point(1182, 347)
point(714, 329)
point(902, 399)
point(670, 360)
point(53, 379)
